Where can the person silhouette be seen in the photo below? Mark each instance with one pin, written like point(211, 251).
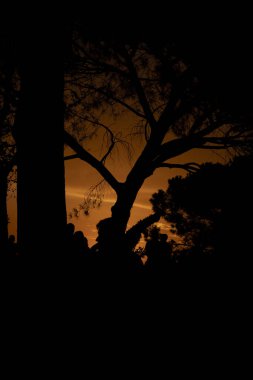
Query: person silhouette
point(105, 237)
point(11, 246)
point(80, 244)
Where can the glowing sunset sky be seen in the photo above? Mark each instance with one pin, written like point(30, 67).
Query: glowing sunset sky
point(80, 177)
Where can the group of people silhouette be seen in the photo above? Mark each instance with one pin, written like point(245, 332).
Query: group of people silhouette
point(156, 251)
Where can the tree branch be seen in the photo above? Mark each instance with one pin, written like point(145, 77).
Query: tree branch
point(191, 167)
point(93, 161)
point(139, 90)
point(71, 157)
point(212, 147)
point(107, 129)
point(225, 140)
point(176, 147)
point(179, 146)
point(133, 235)
point(115, 99)
point(170, 114)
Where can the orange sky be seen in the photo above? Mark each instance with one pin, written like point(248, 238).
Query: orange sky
point(80, 176)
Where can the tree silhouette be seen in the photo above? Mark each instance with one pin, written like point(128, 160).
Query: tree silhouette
point(39, 136)
point(158, 250)
point(154, 85)
point(209, 209)
point(160, 94)
point(8, 100)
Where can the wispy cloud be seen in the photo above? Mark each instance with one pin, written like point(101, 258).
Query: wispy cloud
point(76, 193)
point(136, 204)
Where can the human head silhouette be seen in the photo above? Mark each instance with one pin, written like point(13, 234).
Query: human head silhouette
point(70, 229)
point(11, 239)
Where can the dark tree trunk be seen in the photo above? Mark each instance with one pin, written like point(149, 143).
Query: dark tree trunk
point(112, 234)
point(3, 211)
point(39, 132)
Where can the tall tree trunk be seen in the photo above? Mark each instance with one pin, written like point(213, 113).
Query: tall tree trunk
point(39, 131)
point(3, 211)
point(111, 231)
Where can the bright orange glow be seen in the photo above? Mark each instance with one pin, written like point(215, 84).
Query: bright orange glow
point(80, 177)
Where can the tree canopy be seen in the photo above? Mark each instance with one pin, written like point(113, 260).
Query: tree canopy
point(163, 99)
point(209, 210)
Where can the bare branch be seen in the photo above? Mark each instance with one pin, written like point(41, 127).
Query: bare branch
point(181, 145)
point(93, 161)
point(198, 123)
point(176, 147)
point(107, 129)
point(107, 67)
point(139, 90)
point(191, 167)
point(71, 157)
point(115, 99)
point(211, 147)
point(146, 131)
point(171, 112)
point(211, 127)
point(103, 159)
point(226, 141)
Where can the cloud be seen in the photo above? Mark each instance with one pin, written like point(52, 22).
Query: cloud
point(76, 193)
point(136, 204)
